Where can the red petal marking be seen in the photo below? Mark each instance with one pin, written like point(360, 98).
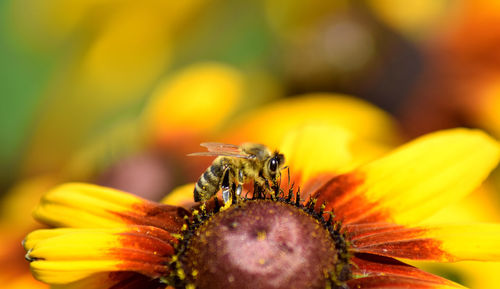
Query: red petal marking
point(377, 236)
point(155, 232)
point(314, 183)
point(343, 196)
point(146, 250)
point(397, 242)
point(150, 270)
point(356, 231)
point(418, 249)
point(131, 280)
point(366, 265)
point(392, 282)
point(169, 218)
point(356, 211)
point(339, 189)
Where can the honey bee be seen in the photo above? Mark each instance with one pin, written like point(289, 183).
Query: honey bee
point(235, 166)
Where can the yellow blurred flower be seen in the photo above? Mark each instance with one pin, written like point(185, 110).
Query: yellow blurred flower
point(193, 103)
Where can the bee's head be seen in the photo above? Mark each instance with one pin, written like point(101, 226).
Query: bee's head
point(274, 164)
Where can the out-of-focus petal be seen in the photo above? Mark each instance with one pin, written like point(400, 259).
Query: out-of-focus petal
point(485, 110)
point(23, 281)
point(193, 102)
point(125, 280)
point(321, 135)
point(55, 18)
point(181, 196)
point(414, 18)
point(85, 205)
point(132, 39)
point(271, 123)
point(48, 24)
point(20, 200)
point(414, 181)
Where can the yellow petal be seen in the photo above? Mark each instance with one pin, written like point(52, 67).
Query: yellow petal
point(85, 205)
point(75, 245)
point(442, 243)
point(315, 152)
point(480, 206)
point(427, 174)
point(42, 234)
point(66, 255)
point(479, 242)
point(414, 181)
point(62, 262)
point(66, 271)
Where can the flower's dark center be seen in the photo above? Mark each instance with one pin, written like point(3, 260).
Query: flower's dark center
point(262, 243)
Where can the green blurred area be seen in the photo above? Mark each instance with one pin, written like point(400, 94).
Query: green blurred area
point(23, 76)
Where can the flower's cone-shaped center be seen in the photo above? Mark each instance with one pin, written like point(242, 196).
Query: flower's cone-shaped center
point(260, 244)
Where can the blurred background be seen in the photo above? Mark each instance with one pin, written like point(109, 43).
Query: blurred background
point(117, 92)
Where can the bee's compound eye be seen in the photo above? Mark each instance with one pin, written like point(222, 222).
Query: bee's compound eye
point(273, 165)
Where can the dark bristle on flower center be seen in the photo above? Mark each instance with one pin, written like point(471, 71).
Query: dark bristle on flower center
point(262, 243)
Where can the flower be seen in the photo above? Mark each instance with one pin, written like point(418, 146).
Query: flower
point(109, 238)
point(132, 154)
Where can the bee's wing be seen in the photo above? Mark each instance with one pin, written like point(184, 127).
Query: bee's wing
point(222, 149)
point(226, 154)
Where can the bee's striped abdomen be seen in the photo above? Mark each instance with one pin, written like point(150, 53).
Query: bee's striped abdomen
point(209, 182)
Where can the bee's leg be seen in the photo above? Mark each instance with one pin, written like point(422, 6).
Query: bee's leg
point(225, 185)
point(226, 193)
point(258, 190)
point(239, 187)
point(272, 188)
point(234, 197)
